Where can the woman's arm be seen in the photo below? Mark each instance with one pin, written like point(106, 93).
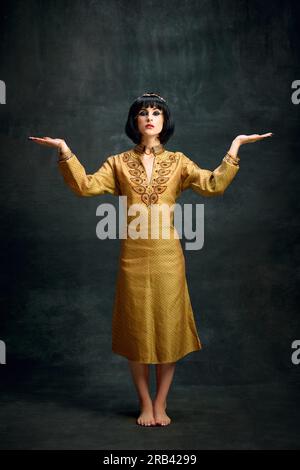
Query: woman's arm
point(214, 183)
point(206, 182)
point(102, 181)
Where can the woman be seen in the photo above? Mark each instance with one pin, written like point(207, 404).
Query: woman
point(153, 320)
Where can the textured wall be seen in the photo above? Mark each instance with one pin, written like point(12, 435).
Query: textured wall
point(72, 69)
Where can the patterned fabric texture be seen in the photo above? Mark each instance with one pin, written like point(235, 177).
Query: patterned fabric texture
point(153, 320)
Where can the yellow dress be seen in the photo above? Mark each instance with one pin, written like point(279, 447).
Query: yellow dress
point(153, 320)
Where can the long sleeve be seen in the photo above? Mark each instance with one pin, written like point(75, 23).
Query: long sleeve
point(207, 182)
point(102, 181)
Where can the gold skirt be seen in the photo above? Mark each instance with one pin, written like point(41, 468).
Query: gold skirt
point(153, 320)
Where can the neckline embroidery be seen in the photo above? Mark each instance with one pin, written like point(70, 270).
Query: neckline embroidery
point(139, 149)
point(162, 168)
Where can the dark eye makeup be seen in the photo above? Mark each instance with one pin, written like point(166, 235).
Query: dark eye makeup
point(145, 113)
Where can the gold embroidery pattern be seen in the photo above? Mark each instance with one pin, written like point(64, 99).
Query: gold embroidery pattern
point(149, 192)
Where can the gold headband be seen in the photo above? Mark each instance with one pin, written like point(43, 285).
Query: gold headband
point(153, 94)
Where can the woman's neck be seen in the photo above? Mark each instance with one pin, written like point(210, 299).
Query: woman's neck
point(150, 142)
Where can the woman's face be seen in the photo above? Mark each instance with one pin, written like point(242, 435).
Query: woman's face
point(150, 121)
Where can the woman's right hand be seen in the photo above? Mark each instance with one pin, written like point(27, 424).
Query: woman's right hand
point(60, 144)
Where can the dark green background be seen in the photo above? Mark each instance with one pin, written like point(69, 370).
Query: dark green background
point(72, 69)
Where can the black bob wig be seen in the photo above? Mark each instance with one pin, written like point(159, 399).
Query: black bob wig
point(131, 127)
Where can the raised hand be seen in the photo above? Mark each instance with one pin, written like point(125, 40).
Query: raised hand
point(60, 144)
point(249, 139)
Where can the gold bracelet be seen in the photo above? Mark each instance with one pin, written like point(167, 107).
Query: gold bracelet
point(237, 158)
point(68, 154)
point(230, 160)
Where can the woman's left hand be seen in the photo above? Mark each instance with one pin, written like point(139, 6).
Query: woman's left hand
point(249, 139)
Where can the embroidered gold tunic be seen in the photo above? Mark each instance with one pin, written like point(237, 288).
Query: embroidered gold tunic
point(153, 320)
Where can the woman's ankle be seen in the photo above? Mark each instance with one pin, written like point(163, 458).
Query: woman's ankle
point(160, 401)
point(145, 401)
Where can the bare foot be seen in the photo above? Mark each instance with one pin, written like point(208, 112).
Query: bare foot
point(146, 417)
point(160, 415)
